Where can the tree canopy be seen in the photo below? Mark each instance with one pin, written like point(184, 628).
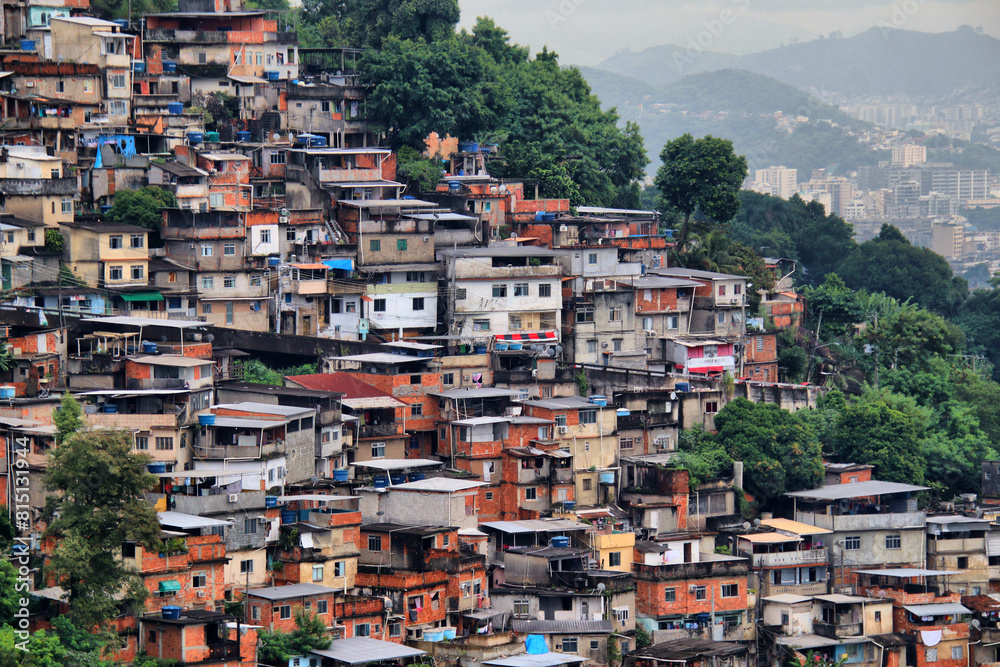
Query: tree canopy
point(99, 486)
point(277, 648)
point(141, 207)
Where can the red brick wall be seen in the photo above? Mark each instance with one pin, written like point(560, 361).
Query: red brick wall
point(650, 596)
point(659, 300)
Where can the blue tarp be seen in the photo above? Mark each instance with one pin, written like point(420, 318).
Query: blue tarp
point(346, 264)
point(123, 144)
point(535, 645)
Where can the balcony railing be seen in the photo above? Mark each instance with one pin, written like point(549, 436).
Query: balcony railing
point(809, 556)
point(379, 430)
point(837, 630)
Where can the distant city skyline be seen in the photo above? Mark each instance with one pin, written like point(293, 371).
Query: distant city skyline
point(586, 32)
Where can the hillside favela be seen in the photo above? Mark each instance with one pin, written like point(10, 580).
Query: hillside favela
point(488, 333)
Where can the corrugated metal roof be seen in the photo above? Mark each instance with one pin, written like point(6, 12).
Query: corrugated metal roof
point(768, 538)
point(856, 490)
point(837, 598)
point(794, 527)
point(815, 641)
point(188, 521)
point(939, 609)
point(361, 650)
point(907, 572)
point(397, 464)
point(380, 358)
point(439, 485)
point(535, 525)
point(560, 627)
point(788, 598)
point(538, 660)
point(172, 360)
point(265, 408)
point(290, 591)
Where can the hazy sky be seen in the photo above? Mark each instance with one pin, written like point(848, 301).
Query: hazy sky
point(585, 32)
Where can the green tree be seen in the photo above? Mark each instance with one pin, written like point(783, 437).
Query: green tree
point(702, 454)
point(885, 430)
point(68, 418)
point(276, 648)
point(980, 319)
point(54, 240)
point(889, 263)
point(99, 486)
point(837, 305)
point(421, 174)
point(701, 175)
point(141, 207)
point(10, 596)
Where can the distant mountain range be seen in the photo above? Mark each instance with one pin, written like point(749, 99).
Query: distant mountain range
point(880, 61)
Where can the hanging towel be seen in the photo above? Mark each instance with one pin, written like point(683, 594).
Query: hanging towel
point(931, 637)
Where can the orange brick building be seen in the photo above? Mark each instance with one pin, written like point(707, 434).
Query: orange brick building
point(199, 637)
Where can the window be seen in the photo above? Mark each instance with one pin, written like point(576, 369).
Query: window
point(117, 80)
point(760, 343)
point(737, 290)
point(878, 616)
point(930, 655)
point(957, 653)
point(489, 495)
point(255, 280)
point(378, 305)
point(531, 493)
point(588, 484)
point(673, 321)
point(588, 416)
point(544, 290)
point(962, 563)
point(284, 611)
point(461, 293)
point(514, 322)
point(378, 450)
point(560, 420)
point(670, 595)
point(229, 282)
point(617, 344)
point(626, 443)
point(207, 250)
point(569, 645)
point(614, 558)
point(207, 282)
point(137, 271)
point(721, 318)
point(893, 542)
point(448, 378)
point(414, 276)
point(321, 607)
point(418, 303)
point(520, 289)
point(480, 325)
point(164, 444)
point(401, 245)
point(591, 346)
point(621, 614)
point(374, 543)
point(199, 580)
point(499, 291)
point(722, 290)
point(206, 308)
point(117, 108)
point(595, 645)
point(250, 526)
point(278, 157)
point(730, 590)
point(592, 258)
point(246, 566)
point(711, 407)
point(852, 543)
point(142, 442)
point(115, 242)
point(395, 629)
point(375, 245)
point(585, 315)
point(521, 608)
point(615, 315)
point(318, 572)
point(229, 249)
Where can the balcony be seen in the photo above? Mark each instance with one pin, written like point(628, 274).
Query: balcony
point(135, 384)
point(837, 630)
point(349, 175)
point(53, 123)
point(337, 286)
point(308, 287)
point(805, 557)
point(850, 522)
point(379, 430)
point(189, 36)
point(229, 451)
point(710, 568)
point(456, 603)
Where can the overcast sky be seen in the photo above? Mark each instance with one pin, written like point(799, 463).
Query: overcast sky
point(585, 32)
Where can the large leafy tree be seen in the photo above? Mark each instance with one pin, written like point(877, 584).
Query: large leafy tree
point(701, 175)
point(141, 207)
point(99, 486)
point(889, 263)
point(276, 648)
point(980, 319)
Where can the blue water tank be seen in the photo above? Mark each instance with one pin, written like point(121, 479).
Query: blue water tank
point(148, 347)
point(559, 542)
point(340, 475)
point(157, 468)
point(549, 217)
point(7, 392)
point(206, 420)
point(539, 216)
point(454, 186)
point(27, 45)
point(138, 66)
point(569, 505)
point(172, 613)
point(271, 75)
point(607, 478)
point(110, 409)
point(468, 147)
point(169, 66)
point(599, 399)
point(122, 23)
point(273, 261)
point(417, 476)
point(515, 345)
point(398, 478)
point(289, 516)
point(175, 108)
point(242, 135)
point(195, 137)
point(381, 482)
point(449, 632)
point(317, 142)
point(105, 208)
point(683, 386)
point(270, 501)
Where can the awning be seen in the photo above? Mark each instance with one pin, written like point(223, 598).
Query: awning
point(143, 296)
point(544, 335)
point(170, 586)
point(311, 267)
point(940, 609)
point(345, 264)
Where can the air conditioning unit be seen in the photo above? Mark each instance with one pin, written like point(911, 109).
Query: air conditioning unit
point(426, 239)
point(262, 519)
point(234, 497)
point(534, 372)
point(201, 594)
point(650, 333)
point(283, 220)
point(604, 344)
point(589, 285)
point(564, 429)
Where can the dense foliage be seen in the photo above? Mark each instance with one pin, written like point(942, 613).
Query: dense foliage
point(141, 207)
point(277, 648)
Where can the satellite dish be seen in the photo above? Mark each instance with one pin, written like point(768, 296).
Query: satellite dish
point(756, 522)
point(600, 588)
point(275, 136)
point(975, 623)
point(210, 337)
point(746, 525)
point(314, 480)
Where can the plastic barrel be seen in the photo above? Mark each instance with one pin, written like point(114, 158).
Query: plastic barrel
point(212, 137)
point(340, 475)
point(110, 409)
point(381, 482)
point(171, 612)
point(156, 468)
point(27, 45)
point(560, 542)
point(175, 108)
point(289, 516)
point(270, 501)
point(206, 420)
